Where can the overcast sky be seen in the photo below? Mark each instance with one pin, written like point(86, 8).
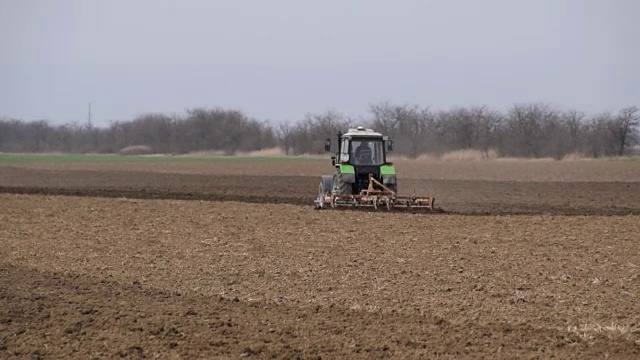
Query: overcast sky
point(280, 59)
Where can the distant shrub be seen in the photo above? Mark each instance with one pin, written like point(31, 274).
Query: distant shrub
point(576, 156)
point(469, 155)
point(271, 152)
point(136, 150)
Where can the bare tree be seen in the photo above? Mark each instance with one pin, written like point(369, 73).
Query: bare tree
point(487, 129)
point(528, 128)
point(285, 133)
point(599, 139)
point(384, 118)
point(573, 120)
point(405, 123)
point(622, 127)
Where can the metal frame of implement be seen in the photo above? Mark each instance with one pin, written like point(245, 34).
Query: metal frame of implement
point(371, 197)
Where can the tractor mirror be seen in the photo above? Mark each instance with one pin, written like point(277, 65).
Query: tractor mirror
point(390, 145)
point(327, 145)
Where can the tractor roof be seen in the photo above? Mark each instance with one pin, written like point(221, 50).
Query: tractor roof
point(361, 131)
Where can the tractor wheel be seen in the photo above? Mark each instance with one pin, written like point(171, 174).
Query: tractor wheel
point(324, 187)
point(340, 186)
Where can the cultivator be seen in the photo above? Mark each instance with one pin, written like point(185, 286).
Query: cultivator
point(375, 196)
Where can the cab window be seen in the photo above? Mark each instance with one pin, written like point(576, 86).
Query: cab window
point(367, 152)
point(345, 150)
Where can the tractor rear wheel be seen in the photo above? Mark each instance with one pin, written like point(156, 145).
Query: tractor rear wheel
point(340, 186)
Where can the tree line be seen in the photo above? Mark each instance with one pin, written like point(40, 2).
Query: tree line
point(217, 129)
point(525, 130)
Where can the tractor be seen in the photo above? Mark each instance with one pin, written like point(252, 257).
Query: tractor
point(363, 176)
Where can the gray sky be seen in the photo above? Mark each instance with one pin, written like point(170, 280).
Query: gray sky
point(279, 59)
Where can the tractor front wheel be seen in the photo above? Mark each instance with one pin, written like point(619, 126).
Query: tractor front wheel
point(326, 184)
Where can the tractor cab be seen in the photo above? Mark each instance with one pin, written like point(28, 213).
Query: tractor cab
point(359, 147)
point(361, 153)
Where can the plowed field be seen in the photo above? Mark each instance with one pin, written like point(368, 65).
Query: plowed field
point(132, 269)
point(488, 188)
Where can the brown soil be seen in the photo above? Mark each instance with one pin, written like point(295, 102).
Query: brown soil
point(622, 170)
point(90, 277)
point(254, 271)
point(486, 197)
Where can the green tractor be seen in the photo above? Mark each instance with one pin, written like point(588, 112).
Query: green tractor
point(363, 176)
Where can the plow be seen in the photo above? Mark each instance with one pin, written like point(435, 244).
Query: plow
point(363, 177)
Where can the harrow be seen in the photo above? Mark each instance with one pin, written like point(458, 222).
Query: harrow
point(376, 196)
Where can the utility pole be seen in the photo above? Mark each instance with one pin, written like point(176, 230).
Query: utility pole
point(89, 117)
